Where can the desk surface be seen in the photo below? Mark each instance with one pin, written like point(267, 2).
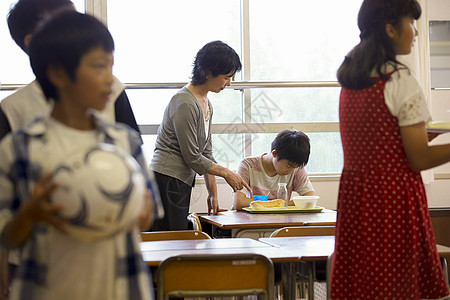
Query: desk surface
point(201, 244)
point(317, 247)
point(307, 247)
point(243, 220)
point(157, 251)
point(443, 250)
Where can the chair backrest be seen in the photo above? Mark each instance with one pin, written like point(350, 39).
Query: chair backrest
point(303, 231)
point(173, 235)
point(193, 218)
point(215, 275)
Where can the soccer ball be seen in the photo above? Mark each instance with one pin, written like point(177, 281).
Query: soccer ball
point(101, 190)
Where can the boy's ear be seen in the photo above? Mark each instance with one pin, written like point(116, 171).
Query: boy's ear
point(27, 40)
point(390, 30)
point(274, 153)
point(57, 76)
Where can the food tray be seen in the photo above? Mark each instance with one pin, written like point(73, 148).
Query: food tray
point(290, 209)
point(438, 127)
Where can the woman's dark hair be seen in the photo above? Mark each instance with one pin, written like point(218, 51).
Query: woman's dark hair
point(292, 145)
point(62, 41)
point(215, 58)
point(375, 48)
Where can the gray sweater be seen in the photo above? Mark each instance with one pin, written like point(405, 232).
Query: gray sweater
point(182, 148)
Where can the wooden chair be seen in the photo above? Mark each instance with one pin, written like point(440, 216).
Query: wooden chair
point(215, 275)
point(306, 270)
point(193, 218)
point(173, 235)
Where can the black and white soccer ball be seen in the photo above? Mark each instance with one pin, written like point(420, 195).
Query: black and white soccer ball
point(101, 190)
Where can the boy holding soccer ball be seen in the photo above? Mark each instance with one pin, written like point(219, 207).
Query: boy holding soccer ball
point(72, 57)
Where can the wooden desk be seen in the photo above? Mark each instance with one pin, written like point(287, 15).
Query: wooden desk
point(240, 221)
point(155, 252)
point(309, 248)
point(314, 248)
point(443, 250)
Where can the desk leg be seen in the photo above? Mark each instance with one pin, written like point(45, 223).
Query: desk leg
point(311, 275)
point(288, 282)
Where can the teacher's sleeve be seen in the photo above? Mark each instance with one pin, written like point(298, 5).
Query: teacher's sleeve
point(186, 123)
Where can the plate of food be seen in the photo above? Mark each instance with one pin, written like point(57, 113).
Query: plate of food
point(438, 127)
point(277, 206)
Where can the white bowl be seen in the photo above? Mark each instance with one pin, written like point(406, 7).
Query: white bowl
point(305, 201)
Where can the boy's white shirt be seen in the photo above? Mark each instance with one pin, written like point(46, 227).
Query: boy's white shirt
point(29, 102)
point(99, 258)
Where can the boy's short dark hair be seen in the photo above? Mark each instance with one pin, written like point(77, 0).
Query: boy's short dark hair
point(215, 58)
point(292, 145)
point(25, 15)
point(62, 41)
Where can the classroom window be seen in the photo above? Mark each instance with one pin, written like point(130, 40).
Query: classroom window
point(290, 51)
point(278, 42)
point(14, 63)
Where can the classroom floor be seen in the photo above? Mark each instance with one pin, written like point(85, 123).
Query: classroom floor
point(320, 290)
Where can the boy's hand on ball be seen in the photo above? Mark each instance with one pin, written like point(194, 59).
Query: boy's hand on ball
point(39, 209)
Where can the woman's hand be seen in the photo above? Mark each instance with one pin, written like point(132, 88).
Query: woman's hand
point(213, 205)
point(236, 182)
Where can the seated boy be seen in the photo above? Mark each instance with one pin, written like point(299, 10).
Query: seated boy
point(72, 58)
point(284, 164)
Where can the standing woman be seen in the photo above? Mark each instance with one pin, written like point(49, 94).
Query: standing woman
point(385, 246)
point(183, 146)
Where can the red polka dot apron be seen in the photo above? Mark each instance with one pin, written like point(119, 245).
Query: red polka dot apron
point(385, 246)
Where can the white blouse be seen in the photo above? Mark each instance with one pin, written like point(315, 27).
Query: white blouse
point(405, 99)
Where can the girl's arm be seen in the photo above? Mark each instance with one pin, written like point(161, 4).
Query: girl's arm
point(422, 156)
point(240, 200)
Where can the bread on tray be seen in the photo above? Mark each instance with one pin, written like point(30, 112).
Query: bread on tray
point(267, 204)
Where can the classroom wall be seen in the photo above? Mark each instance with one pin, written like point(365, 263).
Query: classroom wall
point(438, 192)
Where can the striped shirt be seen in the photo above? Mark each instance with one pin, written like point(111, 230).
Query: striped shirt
point(53, 265)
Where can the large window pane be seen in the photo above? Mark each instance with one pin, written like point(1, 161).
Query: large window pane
point(149, 105)
point(228, 149)
point(295, 105)
point(14, 63)
point(326, 150)
point(301, 40)
point(227, 106)
point(156, 41)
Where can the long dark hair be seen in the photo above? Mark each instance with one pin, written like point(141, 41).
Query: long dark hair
point(375, 48)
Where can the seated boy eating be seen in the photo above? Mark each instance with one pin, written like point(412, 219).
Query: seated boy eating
point(284, 164)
